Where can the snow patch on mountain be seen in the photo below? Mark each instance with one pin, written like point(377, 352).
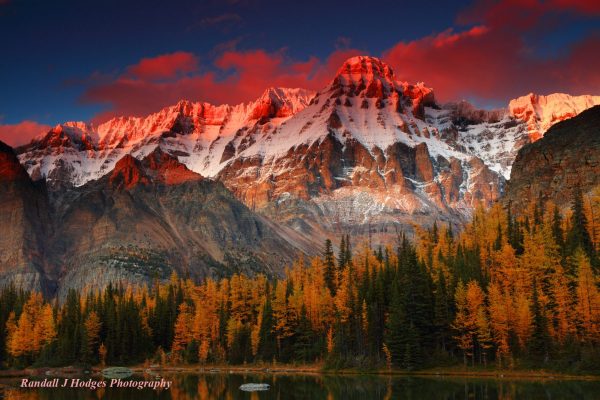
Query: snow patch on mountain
point(541, 112)
point(255, 147)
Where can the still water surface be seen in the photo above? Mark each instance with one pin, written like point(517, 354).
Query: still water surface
point(329, 387)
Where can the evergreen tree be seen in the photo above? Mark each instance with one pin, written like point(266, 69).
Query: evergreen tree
point(578, 235)
point(395, 338)
point(450, 233)
point(434, 233)
point(557, 231)
point(304, 339)
point(329, 267)
point(498, 242)
point(348, 251)
point(342, 254)
point(70, 330)
point(539, 343)
point(442, 312)
point(267, 345)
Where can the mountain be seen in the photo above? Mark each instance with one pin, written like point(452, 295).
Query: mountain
point(74, 153)
point(367, 154)
point(567, 156)
point(360, 154)
point(23, 225)
point(541, 112)
point(143, 220)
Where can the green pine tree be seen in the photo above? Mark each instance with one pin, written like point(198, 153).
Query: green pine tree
point(329, 265)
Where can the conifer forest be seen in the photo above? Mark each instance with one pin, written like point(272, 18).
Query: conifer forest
point(505, 291)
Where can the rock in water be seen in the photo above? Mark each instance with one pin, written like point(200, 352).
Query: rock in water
point(117, 372)
point(255, 387)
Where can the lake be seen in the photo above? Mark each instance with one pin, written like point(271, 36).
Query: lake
point(329, 387)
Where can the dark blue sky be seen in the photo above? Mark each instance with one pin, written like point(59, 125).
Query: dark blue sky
point(53, 52)
point(50, 48)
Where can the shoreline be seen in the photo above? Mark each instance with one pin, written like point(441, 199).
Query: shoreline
point(312, 369)
point(447, 372)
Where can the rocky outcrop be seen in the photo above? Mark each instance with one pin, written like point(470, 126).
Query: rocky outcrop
point(128, 173)
point(144, 220)
point(567, 156)
point(360, 142)
point(541, 112)
point(24, 226)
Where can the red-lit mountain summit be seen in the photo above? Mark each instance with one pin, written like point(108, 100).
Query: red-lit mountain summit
point(365, 130)
point(366, 154)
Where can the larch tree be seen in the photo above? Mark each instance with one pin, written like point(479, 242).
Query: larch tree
point(499, 321)
point(464, 326)
point(476, 318)
point(183, 329)
point(523, 319)
point(587, 307)
point(92, 331)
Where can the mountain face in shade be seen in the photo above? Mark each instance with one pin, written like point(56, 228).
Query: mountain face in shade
point(567, 156)
point(24, 226)
point(143, 220)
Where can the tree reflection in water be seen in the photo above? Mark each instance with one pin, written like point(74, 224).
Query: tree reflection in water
point(330, 387)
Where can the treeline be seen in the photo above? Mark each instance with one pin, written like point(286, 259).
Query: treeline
point(509, 291)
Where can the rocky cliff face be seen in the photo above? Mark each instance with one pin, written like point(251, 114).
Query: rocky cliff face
point(24, 225)
point(152, 216)
point(568, 155)
point(143, 220)
point(361, 153)
point(541, 112)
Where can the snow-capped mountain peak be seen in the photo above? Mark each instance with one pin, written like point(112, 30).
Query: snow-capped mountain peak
point(279, 103)
point(541, 112)
point(365, 145)
point(362, 72)
point(195, 131)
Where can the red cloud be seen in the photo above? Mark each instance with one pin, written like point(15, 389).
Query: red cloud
point(493, 61)
point(490, 61)
point(165, 66)
point(240, 76)
point(582, 6)
point(523, 14)
point(21, 133)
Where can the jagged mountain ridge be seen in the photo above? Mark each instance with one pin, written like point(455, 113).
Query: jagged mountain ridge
point(541, 112)
point(77, 152)
point(143, 220)
point(366, 148)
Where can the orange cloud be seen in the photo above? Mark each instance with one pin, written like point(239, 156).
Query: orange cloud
point(165, 66)
point(488, 60)
point(240, 76)
point(17, 134)
point(493, 61)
